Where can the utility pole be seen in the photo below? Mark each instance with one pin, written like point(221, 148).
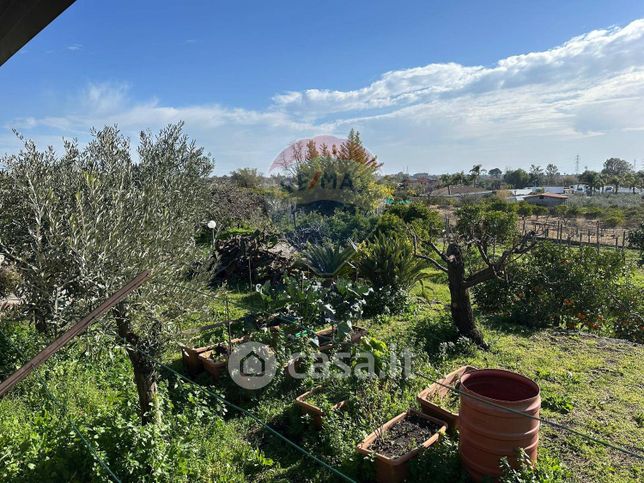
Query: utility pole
point(577, 165)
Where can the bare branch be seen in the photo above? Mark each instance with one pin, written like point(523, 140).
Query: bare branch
point(424, 257)
point(483, 253)
point(435, 248)
point(432, 261)
point(480, 276)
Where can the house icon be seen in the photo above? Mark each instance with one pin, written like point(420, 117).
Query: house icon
point(252, 365)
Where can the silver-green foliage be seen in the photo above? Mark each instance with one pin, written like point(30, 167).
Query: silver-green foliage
point(80, 224)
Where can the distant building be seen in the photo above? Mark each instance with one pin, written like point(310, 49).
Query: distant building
point(546, 199)
point(519, 194)
point(559, 190)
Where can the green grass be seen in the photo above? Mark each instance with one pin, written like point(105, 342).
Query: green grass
point(590, 383)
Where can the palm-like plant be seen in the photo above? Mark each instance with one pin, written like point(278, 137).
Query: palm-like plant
point(327, 260)
point(390, 262)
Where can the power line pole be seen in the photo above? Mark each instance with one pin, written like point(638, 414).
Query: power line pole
point(577, 165)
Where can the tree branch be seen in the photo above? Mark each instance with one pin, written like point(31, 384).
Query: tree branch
point(480, 276)
point(435, 248)
point(432, 261)
point(494, 269)
point(424, 257)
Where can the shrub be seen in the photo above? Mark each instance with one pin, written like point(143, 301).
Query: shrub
point(557, 286)
point(613, 218)
point(636, 240)
point(525, 209)
point(482, 222)
point(405, 219)
point(539, 210)
point(628, 306)
point(327, 260)
point(339, 227)
point(389, 265)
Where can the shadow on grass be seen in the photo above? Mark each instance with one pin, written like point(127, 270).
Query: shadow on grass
point(509, 326)
point(432, 332)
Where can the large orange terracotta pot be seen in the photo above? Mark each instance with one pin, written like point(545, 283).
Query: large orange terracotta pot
point(489, 432)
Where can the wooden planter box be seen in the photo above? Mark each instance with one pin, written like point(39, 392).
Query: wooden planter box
point(215, 367)
point(315, 412)
point(191, 359)
point(356, 334)
point(394, 470)
point(436, 391)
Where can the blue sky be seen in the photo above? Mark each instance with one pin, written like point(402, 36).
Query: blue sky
point(432, 86)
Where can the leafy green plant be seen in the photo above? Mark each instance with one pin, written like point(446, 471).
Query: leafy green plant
point(487, 223)
point(441, 461)
point(389, 265)
point(548, 469)
point(636, 240)
point(557, 285)
point(558, 402)
point(414, 218)
point(328, 260)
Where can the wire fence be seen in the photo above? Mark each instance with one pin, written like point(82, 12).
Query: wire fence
point(634, 452)
point(63, 407)
point(245, 412)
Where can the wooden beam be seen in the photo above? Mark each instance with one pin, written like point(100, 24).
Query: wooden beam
point(22, 20)
point(77, 329)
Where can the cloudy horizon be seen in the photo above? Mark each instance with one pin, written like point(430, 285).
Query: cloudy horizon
point(583, 96)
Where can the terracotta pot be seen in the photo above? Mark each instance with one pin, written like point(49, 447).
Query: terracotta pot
point(315, 412)
point(356, 334)
point(436, 391)
point(489, 433)
point(394, 470)
point(191, 359)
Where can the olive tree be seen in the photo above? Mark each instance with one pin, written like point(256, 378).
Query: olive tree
point(470, 258)
point(93, 218)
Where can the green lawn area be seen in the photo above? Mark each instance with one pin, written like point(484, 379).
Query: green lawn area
point(590, 383)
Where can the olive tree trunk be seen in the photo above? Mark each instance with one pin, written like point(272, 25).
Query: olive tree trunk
point(460, 304)
point(145, 373)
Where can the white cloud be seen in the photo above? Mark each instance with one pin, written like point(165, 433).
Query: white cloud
point(585, 96)
point(75, 46)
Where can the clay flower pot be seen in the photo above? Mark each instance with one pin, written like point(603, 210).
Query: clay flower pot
point(488, 431)
point(315, 412)
point(395, 469)
point(427, 398)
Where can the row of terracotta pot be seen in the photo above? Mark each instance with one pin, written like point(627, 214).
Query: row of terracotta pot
point(395, 469)
point(425, 399)
point(198, 359)
point(499, 414)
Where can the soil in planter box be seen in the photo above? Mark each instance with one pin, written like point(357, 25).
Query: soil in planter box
point(404, 436)
point(325, 339)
